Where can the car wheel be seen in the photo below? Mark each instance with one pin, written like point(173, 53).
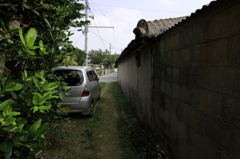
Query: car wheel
point(99, 96)
point(91, 110)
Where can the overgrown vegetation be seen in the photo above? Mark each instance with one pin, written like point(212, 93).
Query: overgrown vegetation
point(34, 38)
point(137, 141)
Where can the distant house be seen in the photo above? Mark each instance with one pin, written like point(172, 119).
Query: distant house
point(181, 75)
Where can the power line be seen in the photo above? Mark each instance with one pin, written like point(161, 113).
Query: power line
point(100, 37)
point(78, 39)
point(119, 18)
point(112, 24)
point(139, 8)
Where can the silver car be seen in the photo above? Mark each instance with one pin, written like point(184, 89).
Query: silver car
point(84, 89)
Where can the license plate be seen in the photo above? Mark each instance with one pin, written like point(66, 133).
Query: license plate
point(64, 109)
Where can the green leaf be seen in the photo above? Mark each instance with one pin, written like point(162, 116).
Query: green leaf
point(13, 30)
point(25, 5)
point(8, 154)
point(13, 87)
point(4, 25)
point(18, 143)
point(21, 37)
point(7, 111)
point(49, 25)
point(34, 128)
point(31, 37)
point(35, 80)
point(11, 128)
point(6, 146)
point(5, 104)
point(44, 98)
point(35, 99)
point(35, 12)
point(29, 52)
point(20, 124)
point(52, 86)
point(42, 129)
point(9, 121)
point(45, 86)
point(35, 108)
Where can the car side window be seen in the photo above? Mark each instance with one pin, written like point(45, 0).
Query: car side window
point(90, 76)
point(94, 75)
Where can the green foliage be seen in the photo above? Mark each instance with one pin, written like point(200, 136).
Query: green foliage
point(96, 56)
point(34, 38)
point(27, 114)
point(51, 20)
point(102, 57)
point(76, 57)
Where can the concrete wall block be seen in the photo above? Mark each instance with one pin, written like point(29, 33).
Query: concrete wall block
point(233, 13)
point(176, 91)
point(200, 31)
point(186, 56)
point(210, 102)
point(213, 53)
point(223, 22)
point(224, 135)
point(201, 144)
point(197, 77)
point(230, 111)
point(172, 137)
point(186, 95)
point(236, 79)
point(219, 79)
point(188, 152)
point(191, 116)
point(175, 75)
point(167, 59)
point(162, 86)
point(176, 58)
point(172, 43)
point(184, 76)
point(168, 74)
point(185, 36)
point(234, 51)
point(168, 90)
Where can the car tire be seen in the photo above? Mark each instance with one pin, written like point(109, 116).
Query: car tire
point(99, 96)
point(91, 110)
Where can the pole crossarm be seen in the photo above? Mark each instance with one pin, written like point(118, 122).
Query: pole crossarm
point(100, 27)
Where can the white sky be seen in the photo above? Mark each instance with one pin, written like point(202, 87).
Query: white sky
point(124, 15)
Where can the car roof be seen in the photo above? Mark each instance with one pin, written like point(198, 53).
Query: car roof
point(72, 68)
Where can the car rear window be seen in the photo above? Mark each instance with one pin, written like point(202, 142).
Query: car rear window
point(71, 77)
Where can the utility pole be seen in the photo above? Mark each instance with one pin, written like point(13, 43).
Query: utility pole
point(86, 31)
point(110, 48)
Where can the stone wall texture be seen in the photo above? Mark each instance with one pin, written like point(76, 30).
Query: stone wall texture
point(185, 85)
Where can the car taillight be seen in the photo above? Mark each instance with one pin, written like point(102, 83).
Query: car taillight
point(85, 93)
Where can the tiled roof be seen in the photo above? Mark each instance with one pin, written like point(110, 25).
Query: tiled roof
point(152, 29)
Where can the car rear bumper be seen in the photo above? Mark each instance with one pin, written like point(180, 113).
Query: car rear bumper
point(75, 107)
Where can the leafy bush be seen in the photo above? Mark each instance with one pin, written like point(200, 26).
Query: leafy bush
point(34, 38)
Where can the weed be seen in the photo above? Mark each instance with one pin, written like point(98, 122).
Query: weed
point(136, 141)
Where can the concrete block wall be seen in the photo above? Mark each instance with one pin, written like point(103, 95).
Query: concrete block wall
point(134, 76)
point(187, 88)
point(196, 67)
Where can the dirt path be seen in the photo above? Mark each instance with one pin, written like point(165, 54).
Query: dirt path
point(106, 129)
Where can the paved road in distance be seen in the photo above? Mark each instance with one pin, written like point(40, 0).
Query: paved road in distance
point(109, 78)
